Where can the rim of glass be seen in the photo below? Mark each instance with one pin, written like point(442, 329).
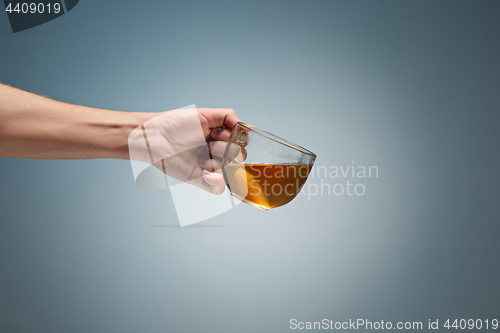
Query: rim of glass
point(276, 138)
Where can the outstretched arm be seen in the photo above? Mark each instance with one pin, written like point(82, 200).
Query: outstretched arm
point(32, 126)
point(35, 127)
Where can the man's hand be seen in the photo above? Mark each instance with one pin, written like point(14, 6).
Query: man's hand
point(186, 144)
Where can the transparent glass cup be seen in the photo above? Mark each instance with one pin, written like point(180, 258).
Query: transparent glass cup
point(262, 169)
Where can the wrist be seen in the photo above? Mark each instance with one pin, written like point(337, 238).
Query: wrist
point(116, 144)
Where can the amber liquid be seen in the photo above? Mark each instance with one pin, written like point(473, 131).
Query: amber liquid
point(266, 186)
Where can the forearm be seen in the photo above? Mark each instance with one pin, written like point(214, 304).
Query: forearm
point(36, 127)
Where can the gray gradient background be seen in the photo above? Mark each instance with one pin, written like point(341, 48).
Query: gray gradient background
point(411, 87)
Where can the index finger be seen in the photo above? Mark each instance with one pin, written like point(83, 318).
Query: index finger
point(219, 117)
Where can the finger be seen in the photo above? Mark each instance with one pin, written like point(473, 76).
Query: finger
point(215, 181)
point(236, 153)
point(220, 134)
point(244, 154)
point(210, 165)
point(217, 148)
point(219, 117)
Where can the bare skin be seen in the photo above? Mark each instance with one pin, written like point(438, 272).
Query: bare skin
point(36, 127)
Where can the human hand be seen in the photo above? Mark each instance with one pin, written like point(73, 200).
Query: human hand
point(186, 144)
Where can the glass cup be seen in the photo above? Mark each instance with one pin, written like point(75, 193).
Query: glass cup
point(262, 169)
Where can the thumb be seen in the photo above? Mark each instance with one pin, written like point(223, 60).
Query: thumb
point(215, 181)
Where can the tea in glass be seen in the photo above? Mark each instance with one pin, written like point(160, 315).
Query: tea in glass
point(264, 170)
